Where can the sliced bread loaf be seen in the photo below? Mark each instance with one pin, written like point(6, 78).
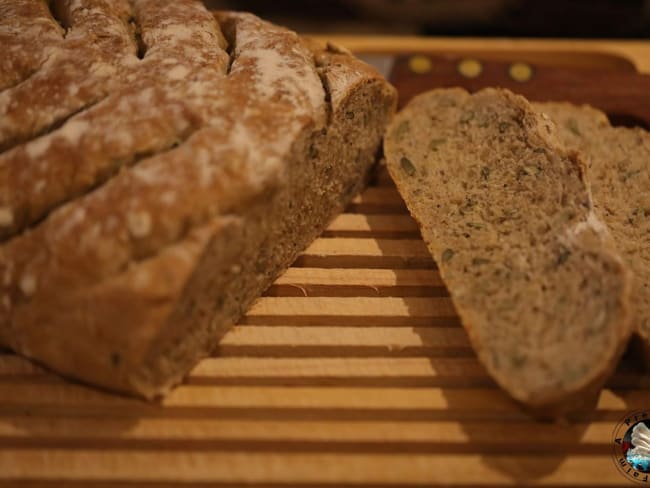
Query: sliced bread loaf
point(132, 256)
point(507, 215)
point(618, 162)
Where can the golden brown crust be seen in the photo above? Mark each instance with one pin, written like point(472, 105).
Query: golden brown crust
point(76, 73)
point(211, 168)
point(27, 33)
point(152, 106)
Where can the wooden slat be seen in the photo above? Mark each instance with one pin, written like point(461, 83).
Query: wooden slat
point(401, 469)
point(384, 337)
point(283, 341)
point(366, 253)
point(379, 199)
point(431, 436)
point(305, 371)
point(348, 371)
point(64, 399)
point(273, 397)
point(337, 367)
point(379, 225)
point(380, 371)
point(309, 368)
point(340, 371)
point(349, 311)
point(487, 401)
point(358, 283)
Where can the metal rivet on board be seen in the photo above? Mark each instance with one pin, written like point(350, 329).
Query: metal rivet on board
point(470, 68)
point(520, 71)
point(420, 64)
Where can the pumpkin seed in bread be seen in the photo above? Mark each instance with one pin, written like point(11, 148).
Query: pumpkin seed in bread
point(507, 215)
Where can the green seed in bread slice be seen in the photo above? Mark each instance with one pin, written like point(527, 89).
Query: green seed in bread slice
point(618, 169)
point(505, 211)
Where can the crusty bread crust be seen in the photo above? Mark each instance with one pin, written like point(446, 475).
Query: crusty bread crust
point(507, 215)
point(183, 195)
point(28, 33)
point(114, 109)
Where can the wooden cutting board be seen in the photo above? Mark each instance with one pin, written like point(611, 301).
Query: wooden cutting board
point(352, 371)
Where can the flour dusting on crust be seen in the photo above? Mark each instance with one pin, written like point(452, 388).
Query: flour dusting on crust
point(183, 143)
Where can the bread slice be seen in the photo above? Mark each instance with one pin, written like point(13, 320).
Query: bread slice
point(125, 279)
point(618, 161)
point(507, 215)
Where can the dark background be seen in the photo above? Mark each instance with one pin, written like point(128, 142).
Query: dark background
point(512, 18)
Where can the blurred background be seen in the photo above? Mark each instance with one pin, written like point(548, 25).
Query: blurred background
point(499, 18)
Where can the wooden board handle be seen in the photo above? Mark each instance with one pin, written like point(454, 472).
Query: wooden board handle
point(623, 95)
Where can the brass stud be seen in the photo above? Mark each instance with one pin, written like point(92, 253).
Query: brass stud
point(520, 72)
point(470, 68)
point(420, 64)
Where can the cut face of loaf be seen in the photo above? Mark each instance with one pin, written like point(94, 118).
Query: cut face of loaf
point(618, 161)
point(139, 228)
point(506, 214)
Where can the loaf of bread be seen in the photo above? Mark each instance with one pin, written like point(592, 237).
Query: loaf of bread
point(618, 161)
point(160, 167)
point(507, 215)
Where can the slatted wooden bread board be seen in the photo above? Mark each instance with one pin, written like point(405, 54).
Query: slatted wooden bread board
point(352, 370)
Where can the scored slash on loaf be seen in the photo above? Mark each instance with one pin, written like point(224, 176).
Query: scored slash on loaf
point(153, 184)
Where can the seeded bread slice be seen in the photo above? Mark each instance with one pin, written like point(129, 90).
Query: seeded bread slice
point(618, 161)
point(507, 215)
